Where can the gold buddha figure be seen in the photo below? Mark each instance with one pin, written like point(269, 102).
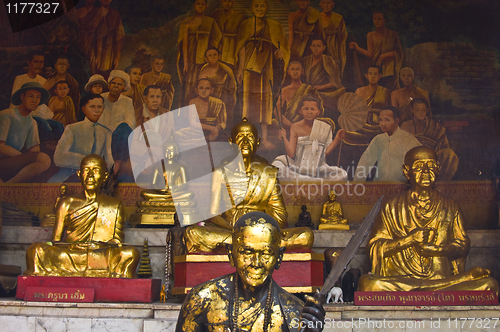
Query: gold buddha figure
point(332, 216)
point(254, 183)
point(159, 206)
point(419, 243)
point(49, 219)
point(88, 233)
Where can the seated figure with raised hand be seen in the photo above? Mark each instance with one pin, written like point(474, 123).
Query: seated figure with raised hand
point(332, 216)
point(254, 184)
point(250, 300)
point(310, 142)
point(87, 240)
point(175, 177)
point(419, 243)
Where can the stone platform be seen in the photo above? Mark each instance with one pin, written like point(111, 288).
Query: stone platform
point(16, 240)
point(22, 316)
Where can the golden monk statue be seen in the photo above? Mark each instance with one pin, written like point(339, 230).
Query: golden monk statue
point(332, 216)
point(253, 181)
point(159, 206)
point(419, 243)
point(250, 300)
point(88, 233)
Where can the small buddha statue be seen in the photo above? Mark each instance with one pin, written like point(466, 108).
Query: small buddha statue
point(87, 240)
point(50, 218)
point(305, 218)
point(159, 205)
point(332, 216)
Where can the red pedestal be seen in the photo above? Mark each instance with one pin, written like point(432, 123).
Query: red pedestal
point(300, 272)
point(106, 289)
point(417, 298)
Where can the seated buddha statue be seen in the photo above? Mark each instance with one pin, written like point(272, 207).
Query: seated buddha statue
point(254, 185)
point(419, 242)
point(163, 202)
point(175, 177)
point(87, 240)
point(332, 216)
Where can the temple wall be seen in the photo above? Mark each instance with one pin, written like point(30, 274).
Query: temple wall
point(476, 198)
point(458, 76)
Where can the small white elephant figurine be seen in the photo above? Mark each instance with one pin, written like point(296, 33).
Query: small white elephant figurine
point(336, 294)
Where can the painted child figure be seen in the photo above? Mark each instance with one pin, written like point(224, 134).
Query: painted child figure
point(136, 91)
point(62, 105)
point(292, 95)
point(96, 85)
point(310, 142)
point(222, 79)
point(322, 72)
point(211, 110)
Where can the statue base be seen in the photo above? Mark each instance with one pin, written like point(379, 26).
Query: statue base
point(105, 289)
point(194, 269)
point(311, 225)
point(156, 213)
point(429, 298)
point(339, 227)
point(152, 219)
point(49, 220)
point(8, 279)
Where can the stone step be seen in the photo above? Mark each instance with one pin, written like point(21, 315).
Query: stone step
point(23, 316)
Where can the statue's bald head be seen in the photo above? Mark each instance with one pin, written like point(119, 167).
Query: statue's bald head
point(93, 159)
point(93, 172)
point(243, 124)
point(419, 153)
point(266, 224)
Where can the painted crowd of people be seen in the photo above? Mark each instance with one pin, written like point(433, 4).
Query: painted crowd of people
point(229, 67)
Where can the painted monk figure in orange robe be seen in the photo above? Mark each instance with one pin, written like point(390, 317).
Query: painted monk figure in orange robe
point(403, 97)
point(229, 22)
point(385, 50)
point(335, 33)
point(304, 25)
point(262, 50)
point(197, 33)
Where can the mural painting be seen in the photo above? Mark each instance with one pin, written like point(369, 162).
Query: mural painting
point(105, 67)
